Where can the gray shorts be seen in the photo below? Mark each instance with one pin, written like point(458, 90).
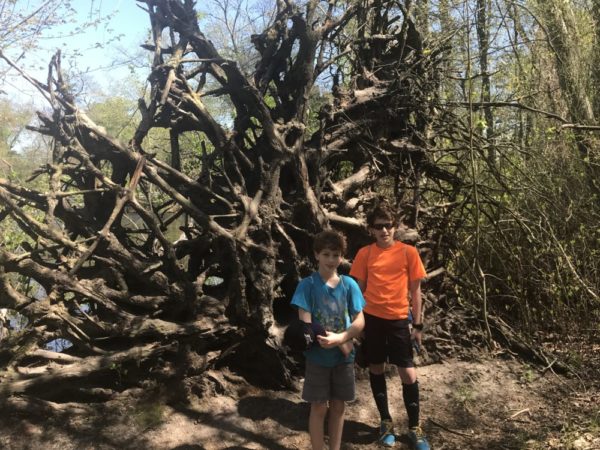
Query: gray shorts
point(322, 384)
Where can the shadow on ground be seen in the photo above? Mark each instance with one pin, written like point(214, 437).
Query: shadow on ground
point(294, 416)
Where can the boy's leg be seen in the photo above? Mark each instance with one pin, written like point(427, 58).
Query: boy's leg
point(375, 342)
point(317, 391)
point(342, 390)
point(316, 425)
point(336, 423)
point(408, 375)
point(375, 348)
point(379, 389)
point(410, 394)
point(402, 356)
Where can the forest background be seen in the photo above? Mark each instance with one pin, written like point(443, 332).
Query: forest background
point(490, 154)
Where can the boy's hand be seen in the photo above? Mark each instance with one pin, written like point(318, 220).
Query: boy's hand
point(330, 340)
point(416, 337)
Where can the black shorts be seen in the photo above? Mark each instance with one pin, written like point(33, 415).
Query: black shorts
point(388, 341)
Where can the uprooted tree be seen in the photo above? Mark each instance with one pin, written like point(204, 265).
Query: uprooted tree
point(132, 302)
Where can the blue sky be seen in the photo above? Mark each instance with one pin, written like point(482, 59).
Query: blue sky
point(94, 49)
point(123, 18)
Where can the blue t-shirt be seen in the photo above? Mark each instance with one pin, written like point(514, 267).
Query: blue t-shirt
point(333, 308)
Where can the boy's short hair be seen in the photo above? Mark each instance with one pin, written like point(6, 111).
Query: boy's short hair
point(381, 211)
point(330, 240)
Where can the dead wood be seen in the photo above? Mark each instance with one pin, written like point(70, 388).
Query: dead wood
point(135, 304)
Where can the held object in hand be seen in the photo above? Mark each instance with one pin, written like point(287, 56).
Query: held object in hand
point(301, 336)
point(416, 346)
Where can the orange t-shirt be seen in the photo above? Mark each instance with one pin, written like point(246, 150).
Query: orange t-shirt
point(387, 272)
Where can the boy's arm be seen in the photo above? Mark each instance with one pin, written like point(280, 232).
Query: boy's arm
point(356, 326)
point(361, 284)
point(346, 348)
point(416, 303)
point(415, 296)
point(358, 271)
point(304, 315)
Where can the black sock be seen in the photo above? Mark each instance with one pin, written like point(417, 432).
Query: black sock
point(410, 394)
point(379, 389)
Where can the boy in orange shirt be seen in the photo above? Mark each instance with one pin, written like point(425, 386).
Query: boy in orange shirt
point(387, 272)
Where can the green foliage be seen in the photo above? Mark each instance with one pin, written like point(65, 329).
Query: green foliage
point(12, 236)
point(14, 160)
point(523, 234)
point(538, 240)
point(118, 115)
point(528, 374)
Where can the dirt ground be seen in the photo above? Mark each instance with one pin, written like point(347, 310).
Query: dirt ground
point(491, 403)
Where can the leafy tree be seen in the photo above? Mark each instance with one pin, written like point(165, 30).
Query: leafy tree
point(525, 214)
point(23, 23)
point(12, 125)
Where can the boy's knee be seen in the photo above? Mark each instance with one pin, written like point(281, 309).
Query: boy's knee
point(408, 375)
point(319, 408)
point(376, 369)
point(337, 407)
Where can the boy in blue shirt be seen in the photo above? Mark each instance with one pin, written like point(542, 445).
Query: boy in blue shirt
point(335, 303)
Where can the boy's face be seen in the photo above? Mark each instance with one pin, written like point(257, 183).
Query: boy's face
point(383, 230)
point(328, 260)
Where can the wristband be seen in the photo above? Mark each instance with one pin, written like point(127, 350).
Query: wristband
point(418, 326)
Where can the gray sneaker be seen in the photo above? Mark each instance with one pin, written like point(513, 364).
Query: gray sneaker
point(418, 439)
point(386, 433)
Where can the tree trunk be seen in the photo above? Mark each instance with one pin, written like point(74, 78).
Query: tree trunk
point(483, 38)
point(566, 42)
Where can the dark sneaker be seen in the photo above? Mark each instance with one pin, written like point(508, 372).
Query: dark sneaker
point(418, 439)
point(386, 433)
